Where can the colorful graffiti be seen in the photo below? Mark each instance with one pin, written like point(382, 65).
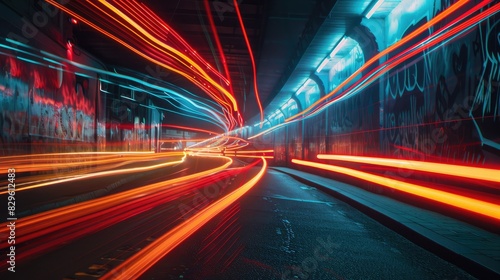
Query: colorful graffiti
point(444, 104)
point(42, 105)
point(429, 94)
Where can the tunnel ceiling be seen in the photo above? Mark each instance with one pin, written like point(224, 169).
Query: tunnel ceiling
point(288, 37)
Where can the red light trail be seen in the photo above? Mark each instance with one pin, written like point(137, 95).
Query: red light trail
point(250, 52)
point(143, 260)
point(55, 227)
point(137, 28)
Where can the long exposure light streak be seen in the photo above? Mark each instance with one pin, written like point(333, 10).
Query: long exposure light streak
point(246, 156)
point(218, 43)
point(122, 42)
point(436, 38)
point(442, 34)
point(479, 173)
point(155, 39)
point(172, 32)
point(252, 60)
point(100, 174)
point(47, 222)
point(49, 161)
point(199, 108)
point(216, 142)
point(164, 89)
point(470, 204)
point(119, 209)
point(255, 151)
point(143, 260)
point(398, 44)
point(158, 52)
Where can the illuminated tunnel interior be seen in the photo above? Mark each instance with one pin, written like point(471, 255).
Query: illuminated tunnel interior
point(249, 139)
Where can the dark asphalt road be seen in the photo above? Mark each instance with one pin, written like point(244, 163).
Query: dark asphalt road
point(284, 229)
point(281, 229)
point(94, 254)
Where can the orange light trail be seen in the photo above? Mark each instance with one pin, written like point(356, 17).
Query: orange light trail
point(479, 173)
point(76, 154)
point(143, 260)
point(167, 47)
point(50, 221)
point(62, 165)
point(180, 57)
point(49, 162)
point(43, 239)
point(425, 44)
point(157, 51)
point(398, 44)
point(152, 15)
point(128, 46)
point(394, 61)
point(470, 204)
point(219, 142)
point(99, 174)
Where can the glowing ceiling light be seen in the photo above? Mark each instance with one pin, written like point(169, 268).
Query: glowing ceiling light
point(323, 64)
point(373, 9)
point(418, 31)
point(338, 47)
point(301, 89)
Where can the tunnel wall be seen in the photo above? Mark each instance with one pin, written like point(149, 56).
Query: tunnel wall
point(53, 97)
point(42, 105)
point(46, 106)
point(441, 105)
point(444, 105)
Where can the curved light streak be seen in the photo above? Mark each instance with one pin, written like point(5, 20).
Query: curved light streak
point(143, 260)
point(155, 60)
point(434, 39)
point(47, 222)
point(219, 45)
point(398, 44)
point(182, 41)
point(463, 202)
point(158, 85)
point(443, 35)
point(167, 47)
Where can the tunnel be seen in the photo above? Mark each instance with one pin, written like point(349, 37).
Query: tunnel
point(250, 139)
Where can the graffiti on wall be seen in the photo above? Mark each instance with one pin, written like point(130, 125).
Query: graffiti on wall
point(405, 99)
point(444, 104)
point(42, 105)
